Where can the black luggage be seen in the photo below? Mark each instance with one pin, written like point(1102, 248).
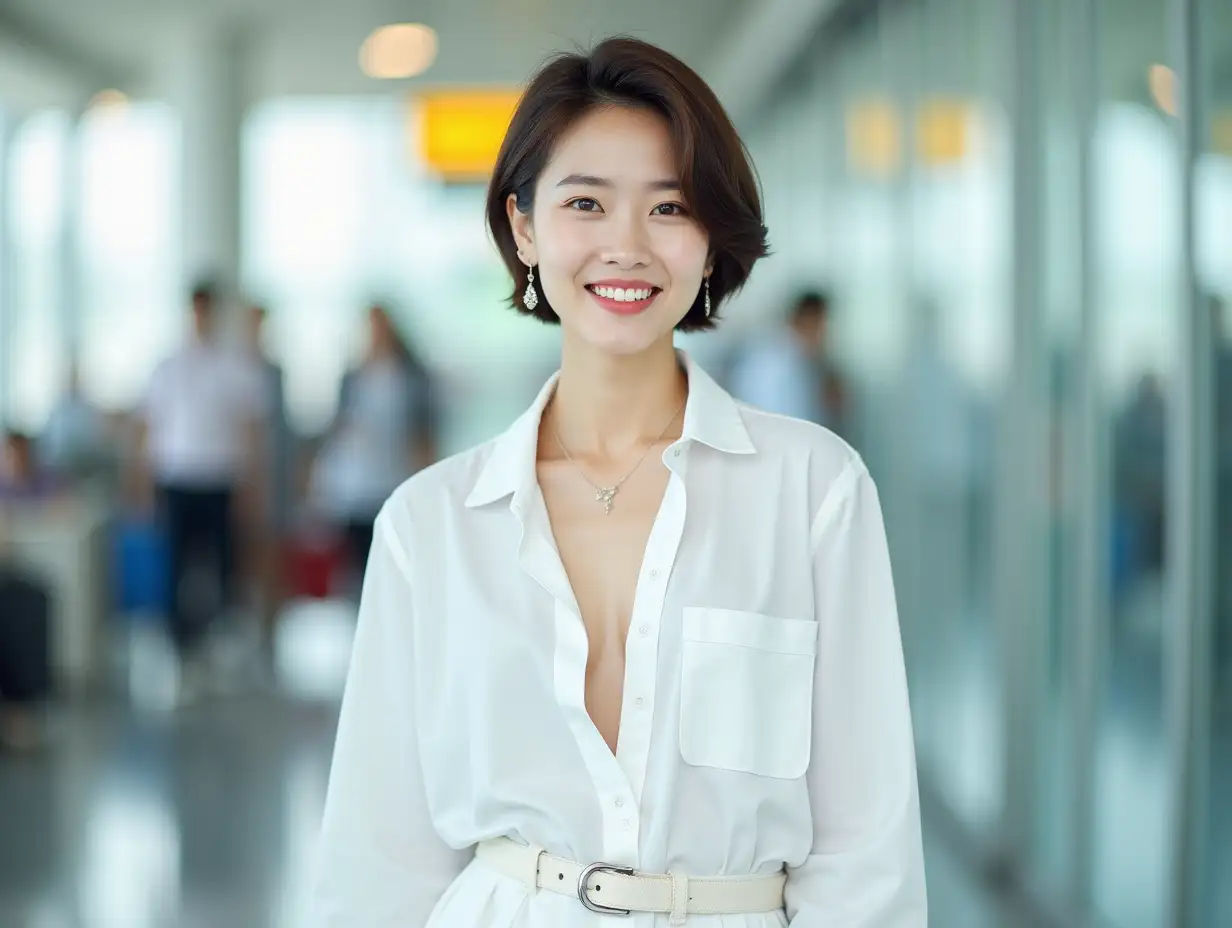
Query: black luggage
point(25, 638)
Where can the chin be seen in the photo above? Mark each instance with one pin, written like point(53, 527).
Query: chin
point(623, 337)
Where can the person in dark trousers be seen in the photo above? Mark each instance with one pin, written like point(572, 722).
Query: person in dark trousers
point(25, 655)
point(265, 538)
point(25, 605)
point(203, 461)
point(385, 430)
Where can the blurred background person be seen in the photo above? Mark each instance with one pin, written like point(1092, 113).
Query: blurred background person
point(21, 475)
point(74, 442)
point(790, 370)
point(267, 534)
point(25, 653)
point(204, 414)
point(1140, 484)
point(25, 658)
point(384, 431)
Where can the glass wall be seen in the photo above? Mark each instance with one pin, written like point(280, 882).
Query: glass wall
point(961, 169)
point(36, 323)
point(1050, 846)
point(131, 312)
point(1137, 275)
point(955, 380)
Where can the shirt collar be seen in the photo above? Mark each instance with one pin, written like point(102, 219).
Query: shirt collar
point(711, 416)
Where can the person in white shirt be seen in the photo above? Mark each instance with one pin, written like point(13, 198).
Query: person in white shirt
point(203, 415)
point(638, 655)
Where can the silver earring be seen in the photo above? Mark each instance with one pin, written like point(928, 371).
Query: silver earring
point(530, 299)
point(707, 297)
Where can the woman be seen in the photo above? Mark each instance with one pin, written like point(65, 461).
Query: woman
point(384, 431)
point(639, 653)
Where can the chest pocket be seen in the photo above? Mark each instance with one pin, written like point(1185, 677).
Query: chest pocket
point(746, 694)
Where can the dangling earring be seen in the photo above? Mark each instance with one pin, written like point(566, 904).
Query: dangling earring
point(707, 297)
point(530, 299)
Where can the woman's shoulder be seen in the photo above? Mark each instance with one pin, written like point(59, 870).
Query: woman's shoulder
point(823, 461)
point(775, 435)
point(436, 493)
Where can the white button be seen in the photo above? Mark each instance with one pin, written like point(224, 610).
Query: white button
point(628, 824)
point(676, 452)
point(644, 630)
point(654, 574)
point(639, 702)
point(620, 803)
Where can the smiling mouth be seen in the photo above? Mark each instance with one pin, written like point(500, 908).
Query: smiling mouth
point(624, 295)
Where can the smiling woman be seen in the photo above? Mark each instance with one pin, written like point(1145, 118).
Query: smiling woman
point(641, 125)
point(641, 650)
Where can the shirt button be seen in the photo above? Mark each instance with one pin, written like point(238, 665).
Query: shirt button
point(639, 702)
point(676, 452)
point(644, 630)
point(628, 824)
point(620, 803)
point(654, 574)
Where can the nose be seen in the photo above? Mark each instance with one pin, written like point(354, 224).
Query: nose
point(628, 247)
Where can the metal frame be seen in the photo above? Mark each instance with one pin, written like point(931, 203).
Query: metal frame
point(1023, 493)
point(1091, 637)
point(1191, 506)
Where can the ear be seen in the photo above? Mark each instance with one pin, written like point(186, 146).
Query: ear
point(523, 231)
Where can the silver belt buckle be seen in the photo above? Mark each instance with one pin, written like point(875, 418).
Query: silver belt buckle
point(584, 893)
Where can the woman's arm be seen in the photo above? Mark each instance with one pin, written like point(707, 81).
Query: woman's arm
point(382, 863)
point(866, 869)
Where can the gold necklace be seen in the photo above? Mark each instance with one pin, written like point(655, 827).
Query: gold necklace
point(607, 495)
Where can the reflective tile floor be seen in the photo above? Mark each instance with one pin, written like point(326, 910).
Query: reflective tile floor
point(207, 816)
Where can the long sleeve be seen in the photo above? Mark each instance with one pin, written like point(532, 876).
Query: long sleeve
point(866, 869)
point(382, 863)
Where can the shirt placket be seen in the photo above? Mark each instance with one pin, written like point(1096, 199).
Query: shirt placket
point(618, 780)
point(622, 816)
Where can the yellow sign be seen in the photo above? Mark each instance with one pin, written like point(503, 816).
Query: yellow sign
point(460, 131)
point(1221, 132)
point(874, 137)
point(941, 132)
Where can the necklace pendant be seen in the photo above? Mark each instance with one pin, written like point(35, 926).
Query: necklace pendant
point(605, 495)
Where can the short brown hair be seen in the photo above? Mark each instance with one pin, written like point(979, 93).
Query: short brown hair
point(717, 177)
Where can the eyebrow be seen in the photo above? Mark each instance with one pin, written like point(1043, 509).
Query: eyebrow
point(590, 180)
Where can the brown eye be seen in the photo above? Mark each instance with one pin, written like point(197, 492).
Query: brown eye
point(669, 209)
point(585, 205)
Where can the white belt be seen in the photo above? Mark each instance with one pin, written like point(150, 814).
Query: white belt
point(612, 890)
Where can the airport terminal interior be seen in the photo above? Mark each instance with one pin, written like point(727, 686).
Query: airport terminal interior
point(1011, 221)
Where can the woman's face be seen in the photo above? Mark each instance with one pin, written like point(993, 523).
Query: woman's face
point(617, 252)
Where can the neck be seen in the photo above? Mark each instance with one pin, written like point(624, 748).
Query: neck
point(605, 404)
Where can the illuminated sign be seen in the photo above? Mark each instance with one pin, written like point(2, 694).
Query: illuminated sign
point(460, 131)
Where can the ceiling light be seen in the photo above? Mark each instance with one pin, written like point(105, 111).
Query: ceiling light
point(398, 51)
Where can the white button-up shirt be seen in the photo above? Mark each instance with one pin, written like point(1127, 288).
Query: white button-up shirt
point(199, 407)
point(765, 722)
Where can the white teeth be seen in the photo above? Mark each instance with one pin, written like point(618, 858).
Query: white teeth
point(622, 295)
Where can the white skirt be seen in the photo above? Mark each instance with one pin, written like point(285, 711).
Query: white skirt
point(483, 898)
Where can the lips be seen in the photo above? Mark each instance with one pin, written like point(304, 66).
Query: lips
point(625, 298)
